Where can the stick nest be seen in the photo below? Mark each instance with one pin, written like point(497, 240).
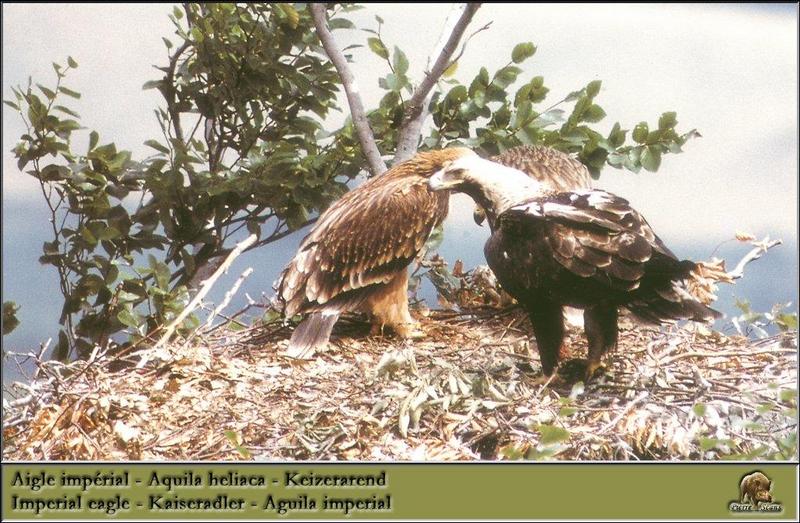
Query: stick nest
point(467, 391)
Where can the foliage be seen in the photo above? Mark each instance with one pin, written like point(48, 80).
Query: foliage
point(246, 145)
point(493, 113)
point(10, 320)
point(758, 324)
point(781, 410)
point(254, 88)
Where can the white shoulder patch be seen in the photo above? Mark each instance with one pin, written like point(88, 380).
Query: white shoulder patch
point(599, 198)
point(557, 208)
point(532, 208)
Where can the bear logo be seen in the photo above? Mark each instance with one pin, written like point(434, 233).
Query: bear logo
point(755, 489)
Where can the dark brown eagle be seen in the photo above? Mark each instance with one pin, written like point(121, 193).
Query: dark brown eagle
point(356, 256)
point(583, 248)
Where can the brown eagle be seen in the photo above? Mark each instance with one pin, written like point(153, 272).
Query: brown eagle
point(583, 248)
point(356, 256)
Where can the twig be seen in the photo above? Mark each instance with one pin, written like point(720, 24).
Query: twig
point(611, 424)
point(228, 296)
point(241, 246)
point(760, 249)
point(416, 110)
point(365, 135)
point(722, 354)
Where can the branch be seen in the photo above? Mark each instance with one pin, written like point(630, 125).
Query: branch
point(365, 135)
point(228, 296)
point(760, 249)
point(169, 91)
point(417, 108)
point(203, 291)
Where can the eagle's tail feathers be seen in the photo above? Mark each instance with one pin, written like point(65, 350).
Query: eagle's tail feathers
point(311, 334)
point(671, 304)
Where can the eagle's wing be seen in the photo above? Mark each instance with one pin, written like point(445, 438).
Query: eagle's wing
point(365, 238)
point(597, 234)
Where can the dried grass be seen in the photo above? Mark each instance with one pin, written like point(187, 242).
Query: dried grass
point(467, 391)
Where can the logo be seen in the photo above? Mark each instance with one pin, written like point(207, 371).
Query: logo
point(755, 495)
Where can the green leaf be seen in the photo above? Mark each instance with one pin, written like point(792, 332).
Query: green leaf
point(11, 104)
point(575, 95)
point(129, 318)
point(72, 63)
point(292, 16)
point(550, 434)
point(651, 158)
point(234, 441)
point(594, 113)
point(87, 235)
point(177, 12)
point(617, 136)
point(167, 42)
point(788, 394)
point(69, 92)
point(522, 52)
point(667, 121)
point(66, 110)
point(47, 92)
point(450, 71)
point(157, 146)
point(152, 84)
point(93, 139)
point(377, 47)
point(400, 61)
point(161, 272)
point(341, 23)
point(10, 320)
point(506, 76)
point(787, 321)
point(707, 444)
point(593, 87)
point(567, 411)
point(640, 132)
point(699, 410)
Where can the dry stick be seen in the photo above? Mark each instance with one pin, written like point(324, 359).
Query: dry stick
point(611, 424)
point(228, 296)
point(761, 248)
point(722, 354)
point(240, 247)
point(417, 108)
point(365, 135)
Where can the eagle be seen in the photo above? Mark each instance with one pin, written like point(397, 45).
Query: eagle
point(356, 256)
point(550, 167)
point(585, 248)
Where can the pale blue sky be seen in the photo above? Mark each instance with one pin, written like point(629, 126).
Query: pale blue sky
point(728, 70)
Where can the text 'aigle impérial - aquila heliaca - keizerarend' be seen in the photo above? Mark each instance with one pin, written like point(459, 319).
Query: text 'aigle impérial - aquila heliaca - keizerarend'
point(582, 247)
point(356, 257)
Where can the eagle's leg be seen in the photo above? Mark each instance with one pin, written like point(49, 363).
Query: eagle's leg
point(600, 323)
point(389, 307)
point(548, 328)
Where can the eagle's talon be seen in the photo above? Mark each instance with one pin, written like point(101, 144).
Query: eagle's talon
point(580, 369)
